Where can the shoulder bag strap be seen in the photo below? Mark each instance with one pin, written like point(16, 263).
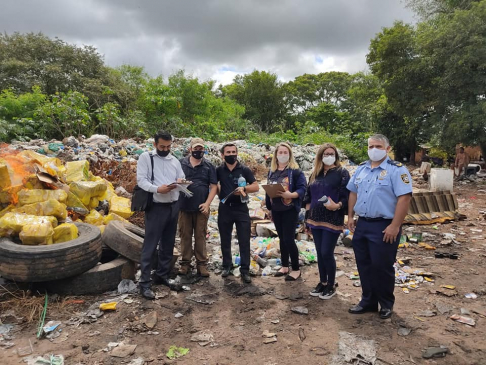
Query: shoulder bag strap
point(152, 163)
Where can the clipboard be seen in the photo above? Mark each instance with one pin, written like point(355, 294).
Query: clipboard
point(273, 189)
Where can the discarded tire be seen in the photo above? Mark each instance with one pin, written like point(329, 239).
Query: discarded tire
point(124, 238)
point(52, 262)
point(99, 279)
point(127, 240)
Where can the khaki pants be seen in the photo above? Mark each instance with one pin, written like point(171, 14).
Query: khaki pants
point(193, 223)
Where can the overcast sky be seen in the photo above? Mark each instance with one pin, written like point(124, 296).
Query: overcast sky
point(214, 39)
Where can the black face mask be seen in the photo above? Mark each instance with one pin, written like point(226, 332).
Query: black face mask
point(231, 159)
point(163, 153)
point(197, 154)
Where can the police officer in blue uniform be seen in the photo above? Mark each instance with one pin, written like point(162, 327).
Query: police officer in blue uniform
point(380, 193)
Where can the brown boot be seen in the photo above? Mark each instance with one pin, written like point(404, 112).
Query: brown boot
point(203, 271)
point(183, 270)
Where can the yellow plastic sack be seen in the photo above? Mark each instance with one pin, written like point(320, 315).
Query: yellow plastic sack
point(32, 182)
point(85, 190)
point(121, 206)
point(77, 171)
point(49, 207)
point(9, 195)
point(93, 203)
point(41, 195)
point(65, 232)
point(74, 202)
point(94, 218)
point(102, 228)
point(113, 217)
point(37, 234)
point(52, 165)
point(13, 222)
point(109, 193)
point(4, 177)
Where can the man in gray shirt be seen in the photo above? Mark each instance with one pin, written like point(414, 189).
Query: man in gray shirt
point(161, 218)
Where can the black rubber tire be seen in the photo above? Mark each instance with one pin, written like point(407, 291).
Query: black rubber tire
point(23, 263)
point(98, 280)
point(124, 238)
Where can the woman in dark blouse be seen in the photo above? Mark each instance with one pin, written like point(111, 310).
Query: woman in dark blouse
point(326, 219)
point(286, 206)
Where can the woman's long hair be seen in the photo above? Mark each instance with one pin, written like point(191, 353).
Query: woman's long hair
point(319, 165)
point(292, 164)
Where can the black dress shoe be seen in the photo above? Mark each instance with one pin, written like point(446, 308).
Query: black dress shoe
point(157, 280)
point(357, 309)
point(225, 273)
point(246, 278)
point(385, 313)
point(147, 293)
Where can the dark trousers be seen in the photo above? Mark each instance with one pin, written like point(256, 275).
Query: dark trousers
point(325, 242)
point(227, 216)
point(160, 228)
point(285, 222)
point(375, 260)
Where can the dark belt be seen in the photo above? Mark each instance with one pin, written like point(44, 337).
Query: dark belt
point(375, 219)
point(164, 204)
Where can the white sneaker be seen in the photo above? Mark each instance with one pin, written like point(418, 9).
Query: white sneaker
point(327, 293)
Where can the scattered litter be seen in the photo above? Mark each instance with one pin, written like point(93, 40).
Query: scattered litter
point(123, 350)
point(354, 349)
point(432, 352)
point(50, 326)
point(5, 329)
point(404, 331)
point(111, 306)
point(47, 360)
point(150, 320)
point(178, 315)
point(201, 298)
point(427, 313)
point(176, 352)
point(24, 351)
point(127, 286)
point(300, 310)
point(137, 361)
point(462, 319)
point(471, 296)
point(465, 312)
point(302, 335)
point(94, 333)
point(443, 308)
point(267, 334)
point(450, 287)
point(202, 338)
point(275, 321)
point(270, 340)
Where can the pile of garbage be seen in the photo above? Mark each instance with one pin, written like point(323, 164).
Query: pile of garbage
point(41, 198)
point(101, 147)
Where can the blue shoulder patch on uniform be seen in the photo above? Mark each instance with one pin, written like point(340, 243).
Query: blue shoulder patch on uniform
point(395, 163)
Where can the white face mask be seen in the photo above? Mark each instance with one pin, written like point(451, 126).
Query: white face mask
point(376, 154)
point(328, 160)
point(283, 158)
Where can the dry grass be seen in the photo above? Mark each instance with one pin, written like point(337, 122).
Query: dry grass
point(30, 307)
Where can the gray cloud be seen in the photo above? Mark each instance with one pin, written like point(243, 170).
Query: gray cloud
point(214, 38)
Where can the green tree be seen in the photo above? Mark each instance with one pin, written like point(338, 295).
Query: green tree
point(262, 95)
point(66, 114)
point(32, 59)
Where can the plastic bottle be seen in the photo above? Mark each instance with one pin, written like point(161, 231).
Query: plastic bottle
point(236, 272)
point(267, 271)
point(274, 262)
point(260, 261)
point(242, 183)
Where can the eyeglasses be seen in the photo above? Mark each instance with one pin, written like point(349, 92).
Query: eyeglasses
point(329, 154)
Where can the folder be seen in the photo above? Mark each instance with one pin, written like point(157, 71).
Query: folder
point(272, 189)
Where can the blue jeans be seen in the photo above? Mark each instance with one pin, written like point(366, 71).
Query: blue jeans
point(325, 242)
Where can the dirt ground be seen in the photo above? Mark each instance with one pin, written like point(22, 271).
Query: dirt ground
point(234, 316)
